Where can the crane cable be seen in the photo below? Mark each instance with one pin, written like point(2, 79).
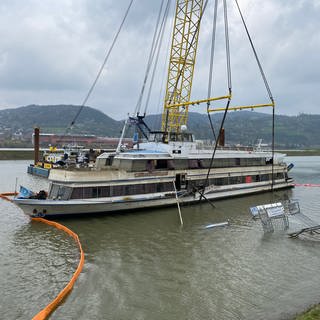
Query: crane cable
point(226, 31)
point(161, 33)
point(212, 51)
point(157, 121)
point(230, 91)
point(266, 85)
point(100, 69)
point(255, 54)
point(155, 41)
point(157, 36)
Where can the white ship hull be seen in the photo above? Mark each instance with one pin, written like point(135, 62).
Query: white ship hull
point(47, 208)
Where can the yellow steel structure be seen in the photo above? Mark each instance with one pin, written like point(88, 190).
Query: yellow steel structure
point(181, 65)
point(262, 105)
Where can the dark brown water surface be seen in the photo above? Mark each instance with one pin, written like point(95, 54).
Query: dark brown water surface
point(143, 265)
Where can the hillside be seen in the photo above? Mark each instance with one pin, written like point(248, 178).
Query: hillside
point(243, 127)
point(246, 127)
point(56, 118)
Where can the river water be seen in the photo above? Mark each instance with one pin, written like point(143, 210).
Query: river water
point(143, 265)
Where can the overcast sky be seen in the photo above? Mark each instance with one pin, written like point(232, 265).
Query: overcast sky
point(51, 51)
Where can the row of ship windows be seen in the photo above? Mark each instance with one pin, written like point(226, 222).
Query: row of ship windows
point(63, 192)
point(178, 164)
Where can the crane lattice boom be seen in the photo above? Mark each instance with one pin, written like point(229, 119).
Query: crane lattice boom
point(181, 65)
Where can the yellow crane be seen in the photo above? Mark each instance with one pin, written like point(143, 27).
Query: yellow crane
point(181, 65)
point(183, 52)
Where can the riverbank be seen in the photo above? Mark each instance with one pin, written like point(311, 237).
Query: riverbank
point(302, 153)
point(18, 154)
point(311, 314)
point(28, 153)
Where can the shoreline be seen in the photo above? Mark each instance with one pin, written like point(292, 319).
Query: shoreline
point(16, 154)
point(303, 153)
point(313, 313)
point(28, 154)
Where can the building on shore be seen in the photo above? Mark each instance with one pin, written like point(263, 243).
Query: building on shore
point(85, 140)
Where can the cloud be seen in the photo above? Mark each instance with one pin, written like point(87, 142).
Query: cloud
point(50, 53)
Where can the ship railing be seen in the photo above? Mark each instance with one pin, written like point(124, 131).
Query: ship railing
point(210, 146)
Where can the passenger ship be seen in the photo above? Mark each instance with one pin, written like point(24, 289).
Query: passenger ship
point(169, 167)
point(157, 174)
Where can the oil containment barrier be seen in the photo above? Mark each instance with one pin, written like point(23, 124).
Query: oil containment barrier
point(6, 195)
point(45, 312)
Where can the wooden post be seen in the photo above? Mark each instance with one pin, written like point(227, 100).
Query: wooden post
point(222, 138)
point(36, 143)
point(178, 205)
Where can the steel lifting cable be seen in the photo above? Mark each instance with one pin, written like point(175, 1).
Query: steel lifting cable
point(226, 31)
point(157, 123)
point(157, 36)
point(154, 44)
point(101, 68)
point(161, 33)
point(212, 51)
point(266, 85)
point(255, 54)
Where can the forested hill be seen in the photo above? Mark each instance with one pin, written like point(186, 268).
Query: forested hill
point(243, 127)
point(57, 118)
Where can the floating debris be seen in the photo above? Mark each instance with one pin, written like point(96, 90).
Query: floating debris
point(310, 230)
point(214, 225)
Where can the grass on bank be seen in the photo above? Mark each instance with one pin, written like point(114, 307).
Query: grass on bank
point(311, 314)
point(16, 155)
point(315, 152)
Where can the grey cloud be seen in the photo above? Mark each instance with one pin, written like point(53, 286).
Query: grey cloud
point(50, 53)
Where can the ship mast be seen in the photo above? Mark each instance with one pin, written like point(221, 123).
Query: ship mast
point(181, 65)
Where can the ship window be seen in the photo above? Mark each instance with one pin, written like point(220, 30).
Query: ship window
point(173, 136)
point(117, 191)
point(278, 175)
point(150, 188)
point(171, 164)
point(218, 181)
point(105, 191)
point(96, 192)
point(193, 164)
point(64, 193)
point(86, 192)
point(109, 160)
point(161, 164)
point(76, 193)
point(54, 191)
point(187, 137)
point(150, 165)
point(128, 190)
point(163, 187)
point(233, 180)
point(151, 137)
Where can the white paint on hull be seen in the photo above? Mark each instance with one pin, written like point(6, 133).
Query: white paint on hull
point(105, 205)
